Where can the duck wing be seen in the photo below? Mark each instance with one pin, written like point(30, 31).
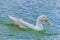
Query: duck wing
point(21, 23)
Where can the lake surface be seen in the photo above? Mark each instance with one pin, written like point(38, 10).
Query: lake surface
point(29, 10)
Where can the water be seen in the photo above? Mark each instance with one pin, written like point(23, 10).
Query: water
point(29, 10)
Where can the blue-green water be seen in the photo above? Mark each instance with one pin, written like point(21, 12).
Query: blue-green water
point(29, 10)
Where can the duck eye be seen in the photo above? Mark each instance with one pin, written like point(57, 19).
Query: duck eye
point(44, 17)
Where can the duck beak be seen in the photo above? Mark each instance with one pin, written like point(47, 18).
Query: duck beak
point(47, 21)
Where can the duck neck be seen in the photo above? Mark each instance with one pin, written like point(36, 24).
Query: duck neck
point(39, 23)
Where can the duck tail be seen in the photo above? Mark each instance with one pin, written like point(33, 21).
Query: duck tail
point(13, 18)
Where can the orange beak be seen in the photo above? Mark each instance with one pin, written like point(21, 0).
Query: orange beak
point(47, 21)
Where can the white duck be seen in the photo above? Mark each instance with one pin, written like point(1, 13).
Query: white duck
point(22, 24)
